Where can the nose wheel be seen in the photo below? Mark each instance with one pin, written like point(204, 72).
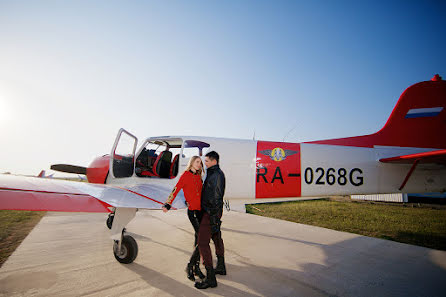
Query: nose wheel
point(127, 251)
point(110, 218)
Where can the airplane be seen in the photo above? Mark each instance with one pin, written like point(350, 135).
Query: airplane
point(43, 174)
point(79, 177)
point(408, 155)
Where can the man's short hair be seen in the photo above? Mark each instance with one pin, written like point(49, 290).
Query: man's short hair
point(213, 155)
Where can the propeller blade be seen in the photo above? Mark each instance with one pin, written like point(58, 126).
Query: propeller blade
point(69, 168)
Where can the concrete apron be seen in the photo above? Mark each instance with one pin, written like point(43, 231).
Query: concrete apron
point(70, 254)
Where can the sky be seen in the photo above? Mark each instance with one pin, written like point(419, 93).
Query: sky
point(73, 72)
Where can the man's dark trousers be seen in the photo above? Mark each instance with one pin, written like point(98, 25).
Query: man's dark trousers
point(204, 237)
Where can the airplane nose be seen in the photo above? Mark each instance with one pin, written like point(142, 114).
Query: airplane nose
point(97, 171)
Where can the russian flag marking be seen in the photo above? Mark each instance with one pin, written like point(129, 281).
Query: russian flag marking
point(423, 112)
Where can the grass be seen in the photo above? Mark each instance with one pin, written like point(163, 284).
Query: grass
point(14, 227)
point(408, 223)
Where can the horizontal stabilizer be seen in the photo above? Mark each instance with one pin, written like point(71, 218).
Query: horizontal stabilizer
point(434, 157)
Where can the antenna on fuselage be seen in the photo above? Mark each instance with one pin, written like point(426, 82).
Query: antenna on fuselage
point(294, 127)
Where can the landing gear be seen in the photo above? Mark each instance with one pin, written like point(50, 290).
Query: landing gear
point(125, 247)
point(128, 251)
point(110, 218)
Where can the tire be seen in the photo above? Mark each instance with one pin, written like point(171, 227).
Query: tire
point(129, 250)
point(110, 220)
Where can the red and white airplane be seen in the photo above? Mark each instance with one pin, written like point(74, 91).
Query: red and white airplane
point(407, 155)
point(43, 174)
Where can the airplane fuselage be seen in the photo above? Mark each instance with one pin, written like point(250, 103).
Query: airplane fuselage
point(262, 169)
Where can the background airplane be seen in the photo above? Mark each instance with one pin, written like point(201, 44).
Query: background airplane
point(44, 175)
point(407, 155)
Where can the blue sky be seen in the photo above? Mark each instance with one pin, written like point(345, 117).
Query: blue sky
point(73, 72)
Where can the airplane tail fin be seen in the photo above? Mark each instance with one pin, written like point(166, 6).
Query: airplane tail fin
point(418, 120)
point(419, 117)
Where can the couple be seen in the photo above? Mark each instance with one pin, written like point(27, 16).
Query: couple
point(205, 208)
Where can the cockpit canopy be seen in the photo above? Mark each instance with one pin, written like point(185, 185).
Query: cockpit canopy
point(160, 157)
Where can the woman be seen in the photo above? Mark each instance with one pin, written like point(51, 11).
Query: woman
point(191, 183)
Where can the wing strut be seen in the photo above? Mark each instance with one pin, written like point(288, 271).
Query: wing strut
point(414, 165)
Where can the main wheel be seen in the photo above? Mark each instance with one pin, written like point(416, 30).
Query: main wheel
point(129, 250)
point(110, 220)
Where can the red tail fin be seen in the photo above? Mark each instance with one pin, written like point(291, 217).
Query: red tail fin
point(418, 120)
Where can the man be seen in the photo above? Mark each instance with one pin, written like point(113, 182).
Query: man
point(212, 207)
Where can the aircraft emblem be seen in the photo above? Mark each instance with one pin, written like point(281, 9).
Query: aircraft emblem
point(278, 154)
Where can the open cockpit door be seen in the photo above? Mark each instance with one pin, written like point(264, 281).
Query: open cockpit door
point(122, 161)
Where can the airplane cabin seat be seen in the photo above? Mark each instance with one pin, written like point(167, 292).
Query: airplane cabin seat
point(162, 164)
point(174, 166)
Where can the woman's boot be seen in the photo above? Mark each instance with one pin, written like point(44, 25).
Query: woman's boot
point(190, 271)
point(198, 271)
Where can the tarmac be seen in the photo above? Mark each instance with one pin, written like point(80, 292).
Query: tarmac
point(70, 254)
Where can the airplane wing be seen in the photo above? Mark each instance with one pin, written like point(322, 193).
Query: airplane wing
point(30, 193)
point(434, 157)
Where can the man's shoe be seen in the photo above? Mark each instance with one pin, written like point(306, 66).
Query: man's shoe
point(197, 270)
point(221, 268)
point(210, 281)
point(190, 271)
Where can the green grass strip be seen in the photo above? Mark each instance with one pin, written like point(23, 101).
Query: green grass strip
point(14, 227)
point(407, 223)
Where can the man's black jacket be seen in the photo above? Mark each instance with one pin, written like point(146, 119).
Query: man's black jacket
point(213, 191)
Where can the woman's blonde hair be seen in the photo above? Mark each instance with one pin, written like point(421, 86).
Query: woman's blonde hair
point(191, 161)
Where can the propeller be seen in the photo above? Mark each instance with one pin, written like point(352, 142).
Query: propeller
point(69, 168)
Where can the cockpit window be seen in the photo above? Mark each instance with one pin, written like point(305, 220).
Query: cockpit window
point(195, 148)
point(158, 159)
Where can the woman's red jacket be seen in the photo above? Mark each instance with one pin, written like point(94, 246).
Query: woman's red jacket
point(191, 184)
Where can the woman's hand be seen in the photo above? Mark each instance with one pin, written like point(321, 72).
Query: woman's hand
point(187, 203)
point(166, 207)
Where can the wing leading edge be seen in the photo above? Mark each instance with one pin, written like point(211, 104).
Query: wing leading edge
point(29, 193)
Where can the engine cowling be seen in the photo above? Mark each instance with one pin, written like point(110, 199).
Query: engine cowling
point(97, 171)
